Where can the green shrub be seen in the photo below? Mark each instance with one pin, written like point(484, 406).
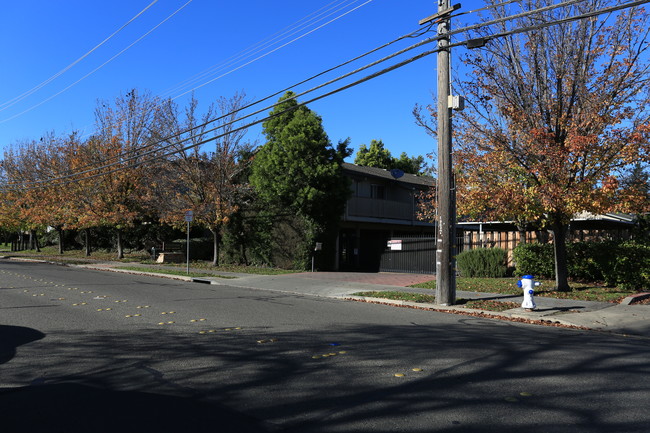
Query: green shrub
point(483, 263)
point(586, 260)
point(628, 267)
point(621, 264)
point(535, 259)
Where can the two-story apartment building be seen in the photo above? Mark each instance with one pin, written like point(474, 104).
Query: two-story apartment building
point(383, 206)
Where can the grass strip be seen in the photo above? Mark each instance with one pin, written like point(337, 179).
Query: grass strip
point(479, 304)
point(171, 272)
point(508, 286)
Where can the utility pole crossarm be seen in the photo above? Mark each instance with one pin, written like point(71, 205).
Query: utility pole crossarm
point(440, 14)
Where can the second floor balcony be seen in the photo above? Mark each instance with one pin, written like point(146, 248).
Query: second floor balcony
point(365, 207)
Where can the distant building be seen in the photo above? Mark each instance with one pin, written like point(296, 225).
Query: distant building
point(584, 226)
point(379, 229)
point(383, 207)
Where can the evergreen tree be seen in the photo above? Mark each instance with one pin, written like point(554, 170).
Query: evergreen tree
point(298, 171)
point(378, 156)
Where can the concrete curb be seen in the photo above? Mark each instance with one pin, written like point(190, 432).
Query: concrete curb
point(630, 300)
point(500, 315)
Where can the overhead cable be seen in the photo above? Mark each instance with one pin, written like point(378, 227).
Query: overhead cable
point(281, 35)
point(68, 179)
point(63, 180)
point(99, 67)
point(313, 77)
point(34, 89)
point(272, 51)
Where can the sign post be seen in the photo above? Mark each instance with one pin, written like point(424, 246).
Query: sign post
point(318, 247)
point(189, 217)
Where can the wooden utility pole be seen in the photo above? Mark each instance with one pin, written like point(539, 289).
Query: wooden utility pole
point(446, 192)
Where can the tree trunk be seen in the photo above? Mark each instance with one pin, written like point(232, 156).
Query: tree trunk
point(521, 228)
point(244, 259)
point(60, 232)
point(120, 248)
point(559, 230)
point(87, 240)
point(215, 244)
point(34, 240)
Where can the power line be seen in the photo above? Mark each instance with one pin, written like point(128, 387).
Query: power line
point(34, 89)
point(484, 8)
point(272, 51)
point(68, 178)
point(409, 35)
point(464, 29)
point(97, 68)
point(273, 39)
point(513, 17)
point(281, 32)
point(583, 16)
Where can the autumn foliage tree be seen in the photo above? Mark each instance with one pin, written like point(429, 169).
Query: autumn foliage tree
point(116, 191)
point(554, 117)
point(38, 203)
point(203, 181)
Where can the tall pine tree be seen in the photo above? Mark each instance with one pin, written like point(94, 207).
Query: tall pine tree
point(298, 171)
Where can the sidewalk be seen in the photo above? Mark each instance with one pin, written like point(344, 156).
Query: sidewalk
point(601, 316)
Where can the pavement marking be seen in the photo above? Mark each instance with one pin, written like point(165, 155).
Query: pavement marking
point(328, 355)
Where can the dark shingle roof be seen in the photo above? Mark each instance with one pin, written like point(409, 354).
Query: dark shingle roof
point(382, 173)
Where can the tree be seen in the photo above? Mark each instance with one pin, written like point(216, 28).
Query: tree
point(378, 156)
point(204, 182)
point(126, 130)
point(298, 170)
point(41, 204)
point(374, 156)
point(553, 118)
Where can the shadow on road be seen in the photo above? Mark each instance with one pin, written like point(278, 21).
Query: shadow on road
point(12, 337)
point(471, 375)
point(76, 408)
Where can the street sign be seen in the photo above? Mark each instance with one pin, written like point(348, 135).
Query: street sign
point(189, 216)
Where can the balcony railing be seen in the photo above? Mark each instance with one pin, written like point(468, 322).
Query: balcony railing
point(374, 208)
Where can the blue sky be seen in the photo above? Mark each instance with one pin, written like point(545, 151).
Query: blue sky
point(40, 38)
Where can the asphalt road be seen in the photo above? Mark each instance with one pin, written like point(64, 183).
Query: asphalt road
point(91, 351)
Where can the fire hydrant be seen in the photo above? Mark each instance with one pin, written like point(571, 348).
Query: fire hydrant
point(528, 283)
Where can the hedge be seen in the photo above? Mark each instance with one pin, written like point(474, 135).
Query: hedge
point(621, 264)
point(483, 263)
